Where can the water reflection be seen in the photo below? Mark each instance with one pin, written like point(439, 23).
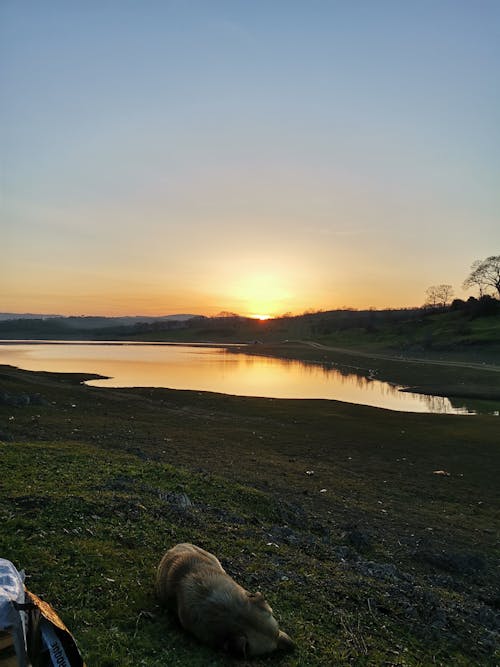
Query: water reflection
point(214, 369)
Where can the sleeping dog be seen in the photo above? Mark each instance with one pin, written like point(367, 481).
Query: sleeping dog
point(213, 607)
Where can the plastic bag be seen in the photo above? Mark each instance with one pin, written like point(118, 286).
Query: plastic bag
point(31, 633)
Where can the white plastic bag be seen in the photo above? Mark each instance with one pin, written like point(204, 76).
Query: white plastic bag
point(12, 619)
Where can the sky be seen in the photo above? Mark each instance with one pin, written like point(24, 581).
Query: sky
point(263, 157)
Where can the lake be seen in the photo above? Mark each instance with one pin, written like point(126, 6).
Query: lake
point(204, 368)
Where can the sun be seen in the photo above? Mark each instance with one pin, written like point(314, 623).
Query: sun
point(262, 295)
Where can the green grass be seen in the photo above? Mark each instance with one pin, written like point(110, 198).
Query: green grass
point(450, 334)
point(90, 526)
point(87, 508)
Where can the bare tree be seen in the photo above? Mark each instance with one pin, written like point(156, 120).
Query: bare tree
point(485, 274)
point(438, 296)
point(475, 278)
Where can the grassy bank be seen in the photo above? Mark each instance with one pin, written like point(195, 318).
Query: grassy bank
point(332, 510)
point(450, 335)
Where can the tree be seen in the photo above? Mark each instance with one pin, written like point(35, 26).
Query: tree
point(485, 274)
point(438, 296)
point(475, 278)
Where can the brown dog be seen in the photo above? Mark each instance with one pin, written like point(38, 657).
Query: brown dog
point(213, 607)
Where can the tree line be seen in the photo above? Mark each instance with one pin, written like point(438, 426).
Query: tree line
point(484, 275)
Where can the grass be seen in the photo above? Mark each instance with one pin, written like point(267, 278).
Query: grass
point(332, 510)
point(93, 534)
point(443, 331)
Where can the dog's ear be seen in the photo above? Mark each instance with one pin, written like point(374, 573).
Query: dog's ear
point(237, 645)
point(285, 643)
point(255, 596)
point(259, 600)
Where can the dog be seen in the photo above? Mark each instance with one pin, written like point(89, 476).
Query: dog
point(213, 607)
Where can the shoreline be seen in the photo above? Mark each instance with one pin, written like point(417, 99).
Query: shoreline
point(59, 341)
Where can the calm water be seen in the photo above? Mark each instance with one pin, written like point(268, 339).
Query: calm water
point(214, 369)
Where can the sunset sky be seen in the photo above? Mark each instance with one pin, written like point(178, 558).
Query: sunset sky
point(252, 156)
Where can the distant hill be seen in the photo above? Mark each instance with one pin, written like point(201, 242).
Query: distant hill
point(94, 321)
point(25, 316)
point(57, 327)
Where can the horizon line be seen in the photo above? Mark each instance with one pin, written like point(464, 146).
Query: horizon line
point(221, 314)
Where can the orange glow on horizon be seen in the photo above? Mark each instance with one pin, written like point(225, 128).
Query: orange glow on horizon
point(262, 318)
point(252, 292)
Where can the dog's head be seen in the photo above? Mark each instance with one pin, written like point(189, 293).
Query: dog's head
point(259, 632)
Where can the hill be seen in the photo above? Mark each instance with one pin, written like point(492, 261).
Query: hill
point(12, 324)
